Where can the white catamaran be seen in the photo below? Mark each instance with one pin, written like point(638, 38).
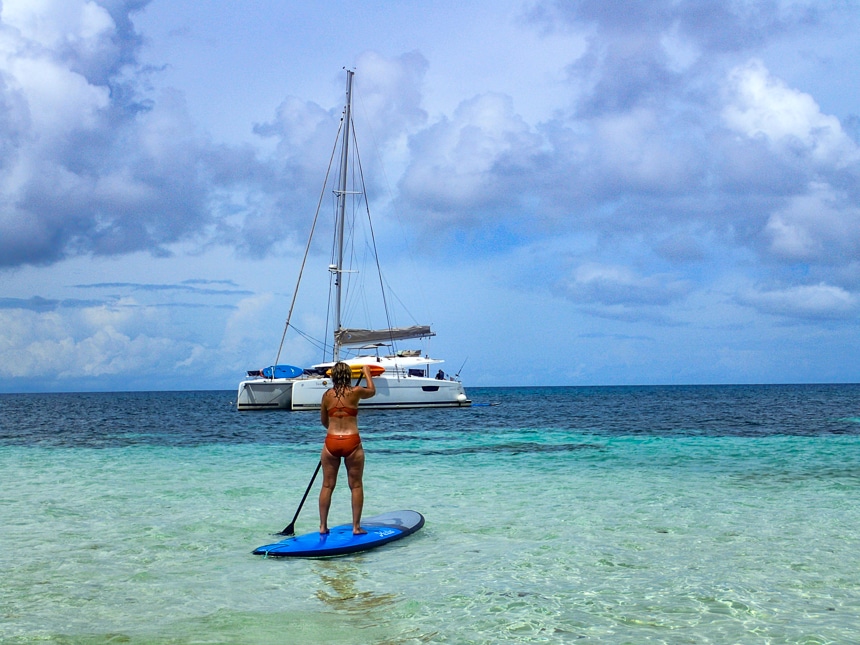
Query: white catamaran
point(407, 381)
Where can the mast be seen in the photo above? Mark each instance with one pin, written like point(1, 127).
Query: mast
point(341, 210)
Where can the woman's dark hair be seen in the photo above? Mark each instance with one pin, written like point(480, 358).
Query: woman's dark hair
point(341, 376)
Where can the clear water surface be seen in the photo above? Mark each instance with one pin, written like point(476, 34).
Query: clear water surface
point(722, 514)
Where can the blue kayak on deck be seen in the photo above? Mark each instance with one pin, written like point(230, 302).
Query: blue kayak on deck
point(282, 371)
point(381, 529)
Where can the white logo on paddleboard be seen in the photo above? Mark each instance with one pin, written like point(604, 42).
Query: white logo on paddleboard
point(385, 532)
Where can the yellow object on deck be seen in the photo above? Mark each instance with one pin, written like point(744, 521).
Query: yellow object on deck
point(375, 370)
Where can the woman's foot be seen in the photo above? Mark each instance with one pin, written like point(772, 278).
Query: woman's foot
point(358, 531)
point(323, 530)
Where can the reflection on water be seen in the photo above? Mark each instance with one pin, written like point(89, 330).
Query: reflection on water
point(341, 577)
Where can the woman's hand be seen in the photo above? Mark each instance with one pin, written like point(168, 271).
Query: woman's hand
point(370, 389)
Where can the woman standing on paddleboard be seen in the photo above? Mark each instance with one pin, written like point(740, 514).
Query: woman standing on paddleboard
point(339, 415)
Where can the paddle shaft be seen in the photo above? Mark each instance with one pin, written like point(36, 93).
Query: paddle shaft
point(290, 529)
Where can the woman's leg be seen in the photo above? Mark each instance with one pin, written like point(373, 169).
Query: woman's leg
point(330, 466)
point(355, 473)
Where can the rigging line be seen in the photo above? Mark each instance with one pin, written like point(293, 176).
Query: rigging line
point(375, 252)
point(337, 275)
point(308, 246)
point(354, 293)
point(411, 254)
point(313, 341)
point(327, 322)
point(399, 301)
point(343, 275)
point(351, 285)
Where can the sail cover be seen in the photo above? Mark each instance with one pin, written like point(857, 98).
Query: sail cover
point(364, 336)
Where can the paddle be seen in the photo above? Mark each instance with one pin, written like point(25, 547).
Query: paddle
point(291, 527)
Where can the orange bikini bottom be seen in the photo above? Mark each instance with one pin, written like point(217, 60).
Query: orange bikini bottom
point(342, 445)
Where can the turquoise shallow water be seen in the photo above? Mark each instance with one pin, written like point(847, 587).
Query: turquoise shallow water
point(597, 515)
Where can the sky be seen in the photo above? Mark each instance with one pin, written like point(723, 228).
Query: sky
point(581, 192)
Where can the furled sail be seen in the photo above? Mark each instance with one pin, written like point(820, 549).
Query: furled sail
point(365, 336)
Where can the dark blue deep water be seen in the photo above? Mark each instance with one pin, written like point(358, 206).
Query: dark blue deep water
point(197, 418)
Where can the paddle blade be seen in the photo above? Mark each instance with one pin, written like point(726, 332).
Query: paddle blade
point(289, 531)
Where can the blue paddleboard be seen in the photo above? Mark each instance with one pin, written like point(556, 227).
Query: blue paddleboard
point(381, 529)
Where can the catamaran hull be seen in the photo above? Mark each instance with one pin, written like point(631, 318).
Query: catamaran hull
point(265, 394)
point(391, 393)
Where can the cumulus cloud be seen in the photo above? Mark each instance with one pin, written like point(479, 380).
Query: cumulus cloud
point(620, 285)
point(89, 166)
point(83, 342)
point(673, 137)
point(642, 53)
point(389, 92)
point(386, 102)
point(387, 96)
point(465, 167)
point(676, 139)
point(634, 152)
point(672, 155)
point(812, 302)
point(713, 26)
point(134, 334)
point(644, 122)
point(90, 163)
point(821, 226)
point(670, 140)
point(762, 106)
